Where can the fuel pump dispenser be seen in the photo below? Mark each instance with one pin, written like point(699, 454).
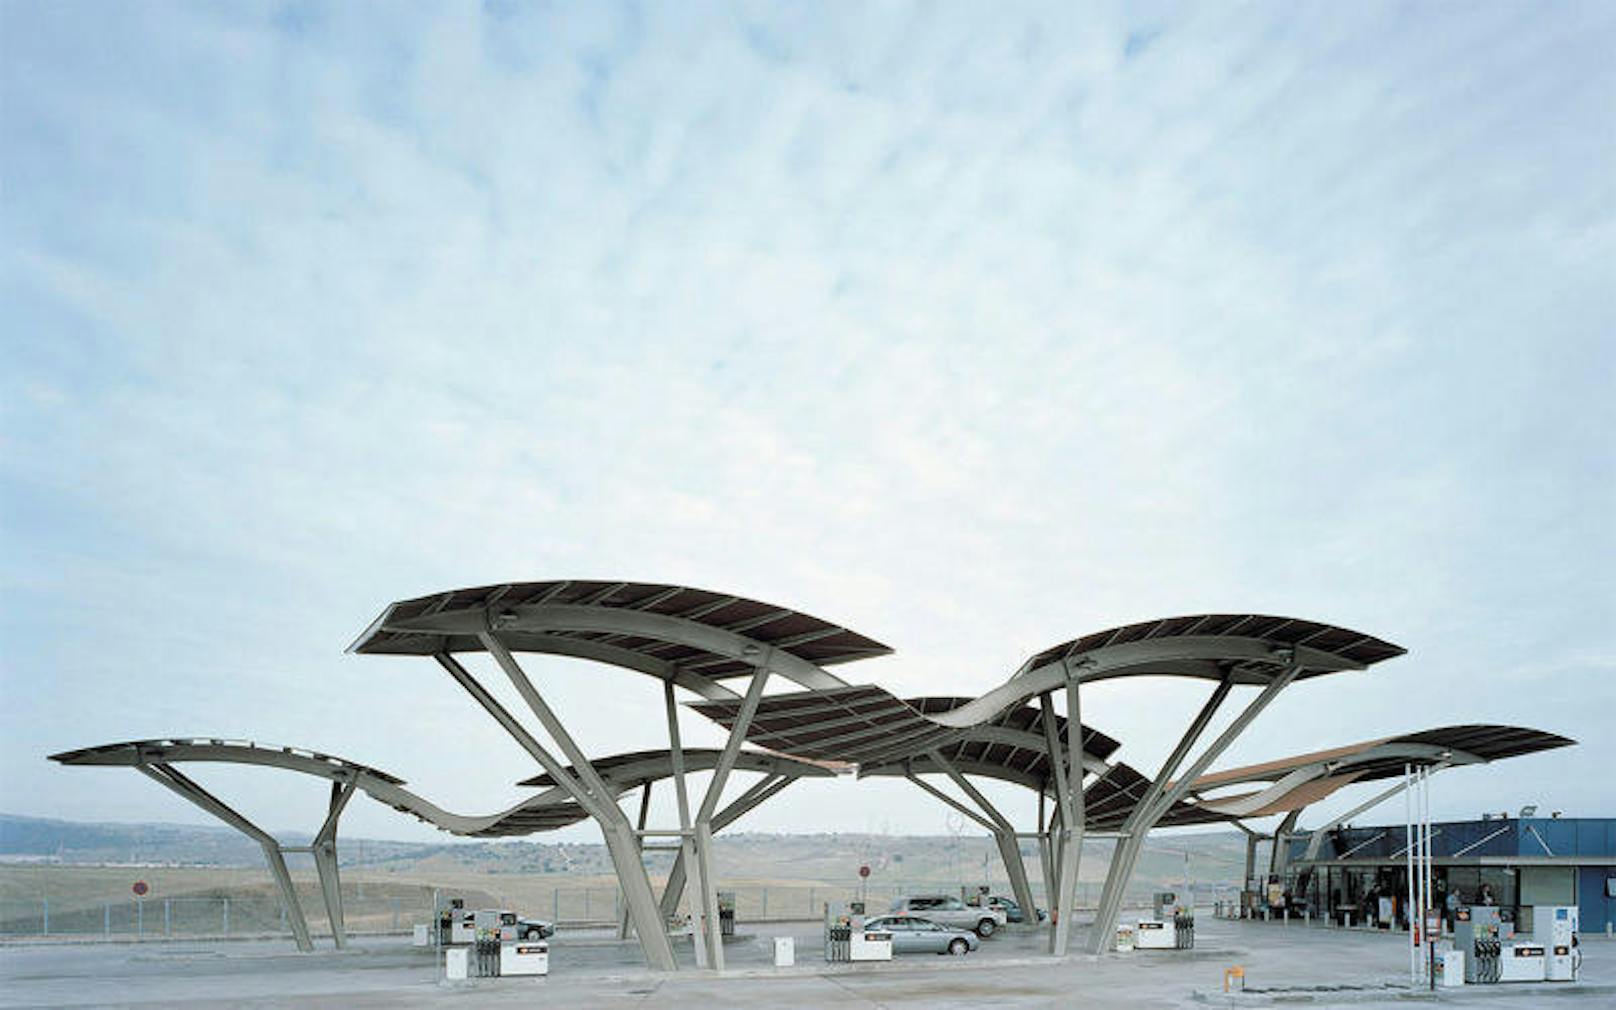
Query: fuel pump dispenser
point(1478, 932)
point(1171, 927)
point(485, 951)
point(1555, 927)
point(1184, 928)
point(726, 913)
point(493, 948)
point(847, 939)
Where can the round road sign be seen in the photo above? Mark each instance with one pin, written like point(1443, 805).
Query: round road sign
point(864, 871)
point(140, 887)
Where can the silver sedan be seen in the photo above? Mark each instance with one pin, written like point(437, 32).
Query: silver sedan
point(911, 935)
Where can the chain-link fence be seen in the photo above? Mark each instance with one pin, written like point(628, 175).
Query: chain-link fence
point(386, 908)
point(223, 916)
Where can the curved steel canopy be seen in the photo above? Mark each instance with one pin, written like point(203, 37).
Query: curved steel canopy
point(870, 724)
point(1011, 748)
point(693, 637)
point(1304, 779)
point(547, 811)
point(1250, 649)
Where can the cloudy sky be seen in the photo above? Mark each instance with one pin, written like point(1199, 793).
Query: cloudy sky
point(973, 330)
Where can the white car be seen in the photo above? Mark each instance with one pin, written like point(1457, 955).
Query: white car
point(947, 910)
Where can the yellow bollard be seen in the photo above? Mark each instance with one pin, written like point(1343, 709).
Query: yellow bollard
point(1235, 972)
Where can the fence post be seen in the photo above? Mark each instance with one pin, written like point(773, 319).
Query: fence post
point(226, 916)
point(283, 918)
point(106, 918)
point(555, 905)
point(168, 919)
point(810, 901)
point(765, 914)
point(395, 912)
point(586, 903)
point(44, 904)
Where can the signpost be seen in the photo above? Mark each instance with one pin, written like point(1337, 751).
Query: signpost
point(864, 880)
point(140, 888)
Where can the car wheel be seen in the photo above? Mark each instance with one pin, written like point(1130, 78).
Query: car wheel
point(985, 928)
point(533, 934)
point(958, 947)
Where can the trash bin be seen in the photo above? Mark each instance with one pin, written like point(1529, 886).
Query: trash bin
point(785, 951)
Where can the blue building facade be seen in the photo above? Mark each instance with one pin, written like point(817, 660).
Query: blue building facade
point(1515, 863)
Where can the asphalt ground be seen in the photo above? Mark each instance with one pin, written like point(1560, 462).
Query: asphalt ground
point(1284, 965)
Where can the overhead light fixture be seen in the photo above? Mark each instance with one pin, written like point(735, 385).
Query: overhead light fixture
point(749, 649)
point(1528, 811)
point(503, 619)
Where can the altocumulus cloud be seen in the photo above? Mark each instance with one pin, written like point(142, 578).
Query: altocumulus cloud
point(972, 330)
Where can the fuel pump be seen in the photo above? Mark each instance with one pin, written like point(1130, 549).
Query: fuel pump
point(1478, 931)
point(1184, 928)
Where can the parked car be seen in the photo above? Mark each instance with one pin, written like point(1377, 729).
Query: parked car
point(1012, 911)
point(914, 935)
point(534, 929)
point(947, 910)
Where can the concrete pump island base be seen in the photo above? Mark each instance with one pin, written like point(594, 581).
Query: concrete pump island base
point(763, 674)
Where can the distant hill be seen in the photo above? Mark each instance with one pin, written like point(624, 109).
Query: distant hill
point(822, 858)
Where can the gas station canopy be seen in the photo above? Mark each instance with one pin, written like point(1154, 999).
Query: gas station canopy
point(692, 636)
point(728, 651)
point(1304, 779)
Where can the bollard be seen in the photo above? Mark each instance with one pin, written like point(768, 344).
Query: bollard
point(1234, 972)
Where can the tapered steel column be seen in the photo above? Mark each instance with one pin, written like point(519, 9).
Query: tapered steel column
point(1004, 835)
point(1066, 765)
point(687, 844)
point(177, 781)
point(294, 910)
point(645, 810)
point(1074, 821)
point(324, 850)
point(584, 784)
point(1280, 858)
point(709, 805)
point(1160, 797)
point(753, 797)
